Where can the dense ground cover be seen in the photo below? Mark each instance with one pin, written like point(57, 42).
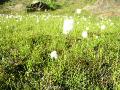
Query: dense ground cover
point(90, 63)
point(66, 6)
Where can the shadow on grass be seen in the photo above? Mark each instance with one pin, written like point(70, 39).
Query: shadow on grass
point(3, 1)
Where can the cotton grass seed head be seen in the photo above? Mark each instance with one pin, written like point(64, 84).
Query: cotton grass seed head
point(37, 19)
point(54, 55)
point(87, 28)
point(68, 25)
point(78, 11)
point(78, 22)
point(111, 24)
point(84, 34)
point(96, 37)
point(103, 27)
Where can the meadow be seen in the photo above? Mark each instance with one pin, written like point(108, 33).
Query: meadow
point(87, 57)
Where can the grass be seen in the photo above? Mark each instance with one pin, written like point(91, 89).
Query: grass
point(26, 42)
point(66, 6)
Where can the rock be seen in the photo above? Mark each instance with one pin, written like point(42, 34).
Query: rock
point(37, 5)
point(3, 1)
point(18, 7)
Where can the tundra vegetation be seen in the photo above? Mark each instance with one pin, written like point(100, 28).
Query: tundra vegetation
point(65, 49)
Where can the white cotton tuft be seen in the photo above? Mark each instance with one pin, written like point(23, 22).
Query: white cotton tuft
point(78, 11)
point(103, 27)
point(54, 55)
point(68, 25)
point(84, 34)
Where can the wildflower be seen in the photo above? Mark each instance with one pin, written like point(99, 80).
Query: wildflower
point(20, 19)
point(96, 37)
point(37, 19)
point(109, 20)
point(70, 17)
point(47, 17)
point(111, 24)
point(78, 22)
point(68, 25)
point(103, 27)
point(84, 34)
point(54, 55)
point(78, 11)
point(45, 10)
point(87, 28)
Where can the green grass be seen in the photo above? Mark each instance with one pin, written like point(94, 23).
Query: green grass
point(26, 42)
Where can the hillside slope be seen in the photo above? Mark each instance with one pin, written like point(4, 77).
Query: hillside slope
point(13, 6)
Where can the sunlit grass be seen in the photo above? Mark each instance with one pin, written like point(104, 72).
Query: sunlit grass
point(26, 42)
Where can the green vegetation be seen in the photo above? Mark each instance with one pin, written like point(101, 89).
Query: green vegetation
point(85, 61)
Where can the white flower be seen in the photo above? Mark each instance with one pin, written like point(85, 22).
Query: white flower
point(53, 55)
point(109, 20)
point(87, 28)
point(70, 17)
point(45, 10)
point(78, 11)
point(111, 24)
point(78, 22)
point(96, 37)
point(47, 17)
point(37, 19)
point(68, 25)
point(103, 27)
point(84, 34)
point(7, 26)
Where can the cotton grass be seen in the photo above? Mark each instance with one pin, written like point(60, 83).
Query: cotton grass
point(54, 55)
point(103, 27)
point(84, 34)
point(68, 25)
